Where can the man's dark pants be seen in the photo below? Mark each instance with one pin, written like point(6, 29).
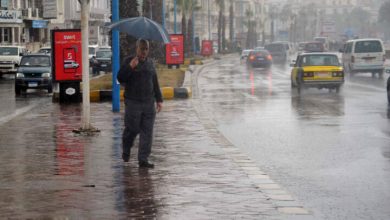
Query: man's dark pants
point(139, 119)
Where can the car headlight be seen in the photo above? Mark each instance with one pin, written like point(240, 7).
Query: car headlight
point(46, 75)
point(19, 75)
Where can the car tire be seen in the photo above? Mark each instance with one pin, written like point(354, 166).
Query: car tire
point(337, 89)
point(50, 89)
point(388, 90)
point(380, 74)
point(18, 90)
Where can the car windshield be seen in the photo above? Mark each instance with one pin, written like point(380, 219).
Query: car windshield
point(368, 47)
point(320, 60)
point(44, 50)
point(41, 61)
point(275, 47)
point(320, 39)
point(246, 52)
point(6, 51)
point(91, 50)
point(313, 46)
point(103, 54)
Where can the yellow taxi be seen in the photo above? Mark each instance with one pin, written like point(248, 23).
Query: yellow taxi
point(319, 70)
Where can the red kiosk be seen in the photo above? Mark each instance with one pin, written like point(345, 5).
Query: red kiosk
point(67, 63)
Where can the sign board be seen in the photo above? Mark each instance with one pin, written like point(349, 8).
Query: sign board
point(207, 47)
point(49, 9)
point(328, 26)
point(39, 23)
point(67, 59)
point(10, 16)
point(175, 50)
point(4, 3)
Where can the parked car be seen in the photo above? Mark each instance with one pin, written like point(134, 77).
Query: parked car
point(10, 57)
point(313, 47)
point(364, 55)
point(301, 47)
point(34, 72)
point(92, 49)
point(324, 41)
point(278, 51)
point(104, 62)
point(319, 70)
point(259, 58)
point(244, 55)
point(44, 50)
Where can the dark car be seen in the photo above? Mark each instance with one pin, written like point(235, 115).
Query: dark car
point(278, 51)
point(34, 72)
point(313, 47)
point(259, 58)
point(103, 58)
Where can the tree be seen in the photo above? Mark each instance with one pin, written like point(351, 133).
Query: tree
point(384, 12)
point(231, 24)
point(359, 20)
point(251, 39)
point(384, 18)
point(152, 10)
point(187, 7)
point(221, 5)
point(127, 9)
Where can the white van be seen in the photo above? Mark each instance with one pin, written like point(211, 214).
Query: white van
point(10, 57)
point(92, 49)
point(364, 55)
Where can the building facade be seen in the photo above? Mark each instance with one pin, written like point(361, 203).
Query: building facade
point(28, 22)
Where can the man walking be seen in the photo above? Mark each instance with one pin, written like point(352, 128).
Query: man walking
point(142, 93)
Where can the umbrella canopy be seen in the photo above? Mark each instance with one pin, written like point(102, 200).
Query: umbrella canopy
point(141, 27)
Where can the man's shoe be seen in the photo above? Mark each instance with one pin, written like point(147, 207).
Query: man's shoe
point(145, 164)
point(125, 157)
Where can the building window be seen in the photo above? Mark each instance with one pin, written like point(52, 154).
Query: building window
point(5, 35)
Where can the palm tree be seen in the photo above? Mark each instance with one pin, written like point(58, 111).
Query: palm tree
point(187, 7)
point(221, 6)
point(231, 23)
point(128, 9)
point(251, 38)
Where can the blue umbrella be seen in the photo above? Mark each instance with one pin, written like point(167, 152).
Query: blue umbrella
point(141, 27)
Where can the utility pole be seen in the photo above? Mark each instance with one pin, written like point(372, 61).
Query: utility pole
point(85, 120)
point(115, 58)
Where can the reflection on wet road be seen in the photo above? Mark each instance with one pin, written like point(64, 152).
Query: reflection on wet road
point(330, 150)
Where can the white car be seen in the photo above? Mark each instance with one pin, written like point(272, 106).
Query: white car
point(10, 57)
point(70, 64)
point(244, 54)
point(364, 55)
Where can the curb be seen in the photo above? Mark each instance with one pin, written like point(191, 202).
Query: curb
point(167, 93)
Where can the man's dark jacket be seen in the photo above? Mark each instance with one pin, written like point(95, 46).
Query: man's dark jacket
point(140, 83)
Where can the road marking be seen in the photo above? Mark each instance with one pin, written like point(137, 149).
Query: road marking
point(17, 112)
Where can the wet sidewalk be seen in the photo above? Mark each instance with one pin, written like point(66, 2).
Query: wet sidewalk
point(49, 172)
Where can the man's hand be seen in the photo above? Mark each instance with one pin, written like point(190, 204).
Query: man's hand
point(134, 62)
point(159, 106)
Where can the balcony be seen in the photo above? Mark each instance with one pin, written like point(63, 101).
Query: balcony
point(32, 13)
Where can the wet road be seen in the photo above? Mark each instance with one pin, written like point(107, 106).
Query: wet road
point(12, 106)
point(330, 151)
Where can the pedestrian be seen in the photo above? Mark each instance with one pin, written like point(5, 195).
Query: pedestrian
point(95, 63)
point(142, 99)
